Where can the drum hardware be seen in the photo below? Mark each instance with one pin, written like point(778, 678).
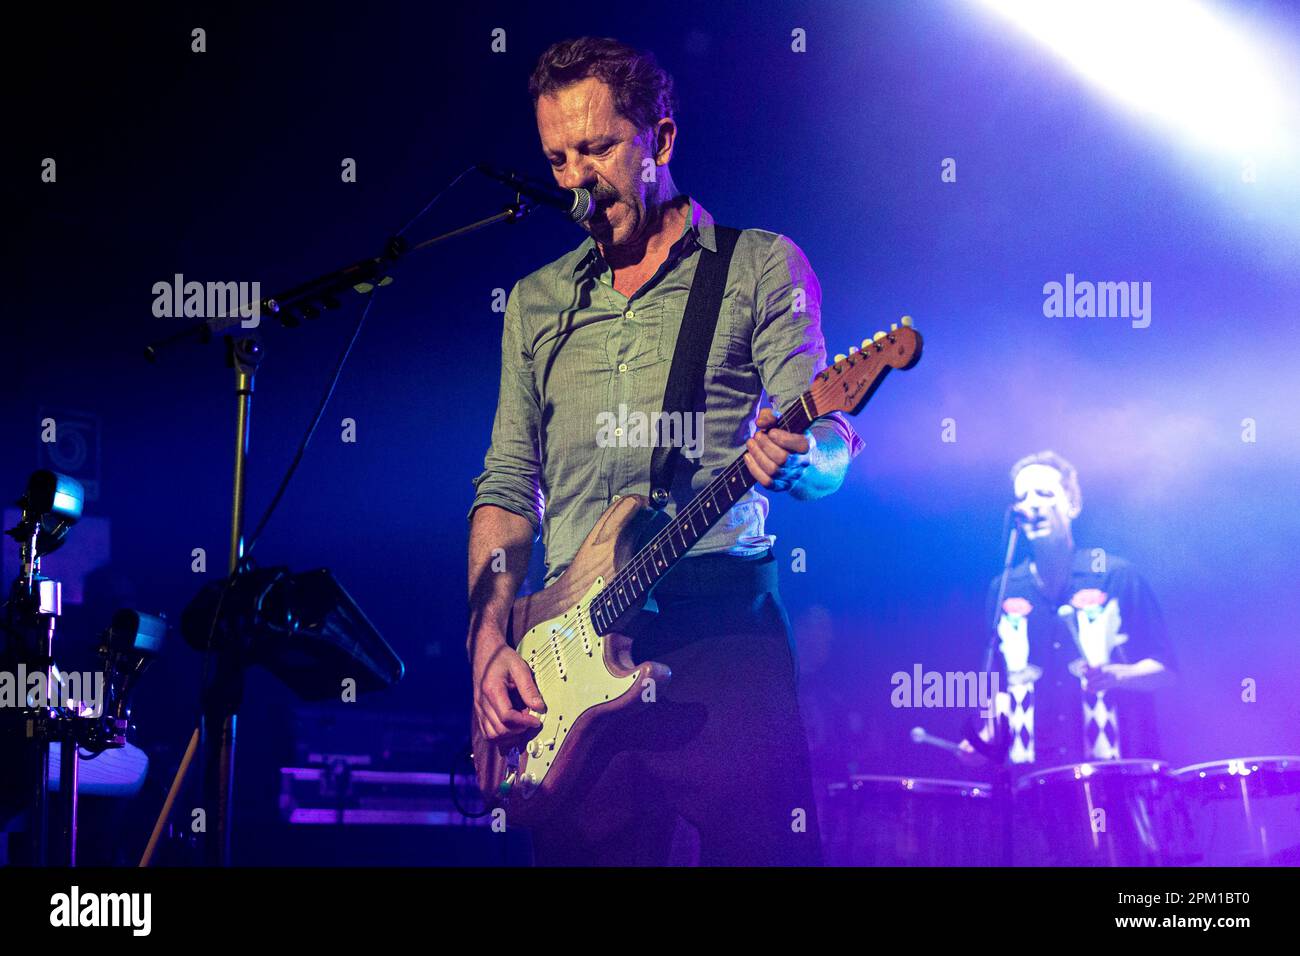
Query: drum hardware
point(909, 821)
point(996, 750)
point(1102, 813)
point(1243, 811)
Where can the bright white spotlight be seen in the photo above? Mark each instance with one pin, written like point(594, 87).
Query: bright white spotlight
point(1175, 61)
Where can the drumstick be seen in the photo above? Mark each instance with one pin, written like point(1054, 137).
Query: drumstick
point(919, 736)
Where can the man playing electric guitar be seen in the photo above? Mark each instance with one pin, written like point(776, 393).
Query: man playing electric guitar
point(592, 333)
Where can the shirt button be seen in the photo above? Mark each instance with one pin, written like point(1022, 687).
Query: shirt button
point(630, 314)
point(618, 431)
point(1056, 645)
point(622, 366)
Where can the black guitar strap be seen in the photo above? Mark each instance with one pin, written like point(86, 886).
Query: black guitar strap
point(684, 393)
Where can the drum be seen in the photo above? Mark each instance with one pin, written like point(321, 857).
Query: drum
point(1244, 812)
point(908, 821)
point(1106, 813)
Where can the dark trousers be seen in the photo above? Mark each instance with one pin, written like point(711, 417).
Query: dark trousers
point(722, 746)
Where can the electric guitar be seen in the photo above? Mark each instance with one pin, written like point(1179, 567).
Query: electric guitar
point(573, 633)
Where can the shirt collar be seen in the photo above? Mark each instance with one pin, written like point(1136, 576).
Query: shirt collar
point(699, 226)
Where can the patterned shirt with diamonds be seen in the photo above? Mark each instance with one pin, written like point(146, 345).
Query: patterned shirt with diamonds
point(1108, 615)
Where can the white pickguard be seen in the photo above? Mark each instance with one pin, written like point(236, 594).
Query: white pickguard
point(567, 657)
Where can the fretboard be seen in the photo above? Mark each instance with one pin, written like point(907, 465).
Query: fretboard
point(630, 585)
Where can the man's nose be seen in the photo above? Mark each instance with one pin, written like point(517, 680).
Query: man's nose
point(577, 176)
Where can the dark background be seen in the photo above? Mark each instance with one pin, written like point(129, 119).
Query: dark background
point(225, 166)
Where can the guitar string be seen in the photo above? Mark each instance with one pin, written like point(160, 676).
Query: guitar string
point(797, 407)
point(648, 551)
point(646, 555)
point(550, 666)
point(639, 562)
point(644, 558)
point(567, 637)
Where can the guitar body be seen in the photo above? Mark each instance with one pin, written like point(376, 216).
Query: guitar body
point(587, 679)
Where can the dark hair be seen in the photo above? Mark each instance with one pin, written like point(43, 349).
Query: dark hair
point(642, 89)
point(1069, 476)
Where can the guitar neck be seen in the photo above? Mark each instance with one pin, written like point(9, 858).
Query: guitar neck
point(845, 387)
point(630, 585)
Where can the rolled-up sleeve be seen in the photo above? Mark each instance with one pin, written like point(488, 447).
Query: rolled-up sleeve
point(511, 477)
point(788, 345)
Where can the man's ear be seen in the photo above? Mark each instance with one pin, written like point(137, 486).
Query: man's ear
point(665, 139)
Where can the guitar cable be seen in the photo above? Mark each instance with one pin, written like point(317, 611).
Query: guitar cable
point(466, 757)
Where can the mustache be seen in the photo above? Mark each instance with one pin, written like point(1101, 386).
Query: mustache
point(1021, 518)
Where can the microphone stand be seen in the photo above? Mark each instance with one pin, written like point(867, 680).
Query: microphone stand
point(1013, 537)
point(221, 699)
point(998, 748)
point(306, 300)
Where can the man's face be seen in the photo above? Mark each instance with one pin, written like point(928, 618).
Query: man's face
point(1042, 507)
point(590, 146)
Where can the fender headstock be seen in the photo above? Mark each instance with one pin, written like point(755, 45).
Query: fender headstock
point(846, 385)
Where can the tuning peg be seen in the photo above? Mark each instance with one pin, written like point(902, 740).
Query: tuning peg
point(866, 343)
point(852, 349)
point(840, 358)
point(893, 326)
point(907, 321)
point(878, 336)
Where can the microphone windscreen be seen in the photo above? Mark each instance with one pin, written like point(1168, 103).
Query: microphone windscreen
point(583, 205)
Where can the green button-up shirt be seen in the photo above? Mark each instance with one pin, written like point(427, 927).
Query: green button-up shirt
point(584, 369)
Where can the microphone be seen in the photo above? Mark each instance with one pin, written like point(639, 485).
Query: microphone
point(577, 204)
